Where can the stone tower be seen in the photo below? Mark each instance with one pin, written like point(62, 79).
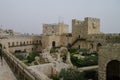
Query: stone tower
point(86, 27)
point(52, 34)
point(93, 25)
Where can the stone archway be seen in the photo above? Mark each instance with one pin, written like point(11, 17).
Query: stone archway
point(113, 70)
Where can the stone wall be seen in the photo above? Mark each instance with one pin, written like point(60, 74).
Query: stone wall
point(48, 40)
point(106, 54)
point(83, 28)
point(26, 43)
point(88, 29)
point(54, 32)
point(66, 39)
point(81, 44)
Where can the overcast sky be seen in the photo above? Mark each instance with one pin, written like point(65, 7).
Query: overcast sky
point(27, 16)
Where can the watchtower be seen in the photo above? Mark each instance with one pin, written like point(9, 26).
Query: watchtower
point(86, 27)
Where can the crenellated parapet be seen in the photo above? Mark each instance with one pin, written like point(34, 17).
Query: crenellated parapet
point(55, 29)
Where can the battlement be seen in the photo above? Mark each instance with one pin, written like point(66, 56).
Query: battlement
point(77, 22)
point(109, 38)
point(50, 25)
point(91, 19)
point(110, 35)
point(54, 24)
point(55, 29)
point(86, 20)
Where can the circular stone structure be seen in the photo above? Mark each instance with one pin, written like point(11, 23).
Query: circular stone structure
point(109, 62)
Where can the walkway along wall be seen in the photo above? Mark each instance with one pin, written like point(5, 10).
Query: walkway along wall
point(19, 69)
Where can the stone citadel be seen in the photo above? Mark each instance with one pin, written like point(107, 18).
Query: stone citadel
point(85, 35)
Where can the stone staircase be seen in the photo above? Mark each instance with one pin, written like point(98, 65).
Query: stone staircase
point(76, 40)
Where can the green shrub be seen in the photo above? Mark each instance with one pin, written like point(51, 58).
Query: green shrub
point(35, 53)
point(83, 50)
point(55, 78)
point(72, 74)
point(32, 56)
point(20, 57)
point(72, 50)
point(30, 59)
point(88, 61)
point(26, 62)
point(64, 58)
point(52, 50)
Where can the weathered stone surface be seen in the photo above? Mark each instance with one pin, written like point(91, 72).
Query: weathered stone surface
point(107, 53)
point(5, 72)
